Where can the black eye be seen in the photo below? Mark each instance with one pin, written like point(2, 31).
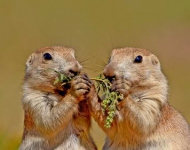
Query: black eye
point(47, 56)
point(138, 59)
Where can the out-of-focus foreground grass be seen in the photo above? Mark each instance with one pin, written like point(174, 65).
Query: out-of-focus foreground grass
point(92, 28)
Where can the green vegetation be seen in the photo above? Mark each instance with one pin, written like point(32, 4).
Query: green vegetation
point(103, 85)
point(61, 78)
point(110, 100)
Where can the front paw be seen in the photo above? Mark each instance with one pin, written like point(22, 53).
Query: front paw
point(122, 86)
point(80, 87)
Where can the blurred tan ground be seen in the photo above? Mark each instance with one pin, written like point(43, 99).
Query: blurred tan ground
point(92, 28)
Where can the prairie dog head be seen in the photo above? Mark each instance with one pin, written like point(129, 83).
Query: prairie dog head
point(41, 64)
point(138, 66)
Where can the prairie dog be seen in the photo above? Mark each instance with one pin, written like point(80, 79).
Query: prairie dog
point(56, 118)
point(144, 119)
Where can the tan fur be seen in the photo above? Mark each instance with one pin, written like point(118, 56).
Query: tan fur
point(144, 119)
point(56, 118)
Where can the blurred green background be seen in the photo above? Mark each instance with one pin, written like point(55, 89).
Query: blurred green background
point(92, 28)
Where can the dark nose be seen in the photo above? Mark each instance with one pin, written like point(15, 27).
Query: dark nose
point(109, 73)
point(75, 70)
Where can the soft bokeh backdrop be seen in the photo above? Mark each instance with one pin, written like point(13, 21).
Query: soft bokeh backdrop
point(92, 28)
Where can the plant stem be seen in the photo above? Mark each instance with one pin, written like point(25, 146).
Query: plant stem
point(65, 83)
point(96, 79)
point(100, 80)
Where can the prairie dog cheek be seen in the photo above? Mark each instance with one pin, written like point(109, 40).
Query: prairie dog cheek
point(123, 71)
point(127, 75)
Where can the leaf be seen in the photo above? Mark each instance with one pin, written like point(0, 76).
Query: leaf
point(110, 100)
point(56, 80)
point(62, 76)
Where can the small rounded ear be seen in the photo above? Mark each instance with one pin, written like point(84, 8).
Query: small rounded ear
point(30, 60)
point(114, 51)
point(154, 60)
point(72, 52)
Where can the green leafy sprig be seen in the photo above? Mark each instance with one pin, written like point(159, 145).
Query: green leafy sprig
point(61, 78)
point(103, 85)
point(110, 100)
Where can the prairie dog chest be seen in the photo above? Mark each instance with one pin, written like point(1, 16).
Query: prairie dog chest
point(71, 141)
point(54, 99)
point(146, 146)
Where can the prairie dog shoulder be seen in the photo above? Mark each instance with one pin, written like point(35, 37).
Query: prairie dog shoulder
point(55, 117)
point(144, 120)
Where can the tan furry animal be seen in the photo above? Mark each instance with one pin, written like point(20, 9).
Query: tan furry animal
point(144, 119)
point(56, 118)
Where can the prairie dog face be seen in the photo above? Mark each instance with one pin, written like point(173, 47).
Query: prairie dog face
point(135, 65)
point(41, 64)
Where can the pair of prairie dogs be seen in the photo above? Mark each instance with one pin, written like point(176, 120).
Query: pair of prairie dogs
point(58, 118)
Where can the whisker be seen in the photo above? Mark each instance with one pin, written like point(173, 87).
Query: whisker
point(98, 71)
point(101, 62)
point(87, 68)
point(86, 59)
point(96, 67)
